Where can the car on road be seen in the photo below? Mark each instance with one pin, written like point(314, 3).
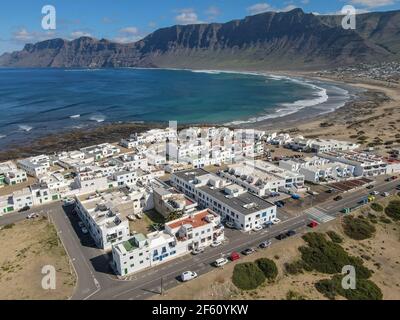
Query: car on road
point(216, 244)
point(230, 225)
point(291, 233)
point(221, 262)
point(234, 256)
point(338, 198)
point(394, 178)
point(188, 276)
point(248, 251)
point(276, 221)
point(257, 228)
point(197, 251)
point(32, 216)
point(265, 244)
point(385, 194)
point(374, 193)
point(84, 230)
point(24, 209)
point(398, 187)
point(370, 187)
point(313, 224)
point(330, 191)
point(282, 236)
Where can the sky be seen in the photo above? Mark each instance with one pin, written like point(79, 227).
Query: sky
point(130, 20)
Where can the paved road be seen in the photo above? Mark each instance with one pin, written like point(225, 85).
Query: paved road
point(95, 279)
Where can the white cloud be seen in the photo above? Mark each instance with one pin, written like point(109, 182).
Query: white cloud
point(212, 12)
point(187, 16)
point(129, 30)
point(373, 3)
point(264, 7)
point(259, 8)
point(128, 35)
point(79, 34)
point(23, 36)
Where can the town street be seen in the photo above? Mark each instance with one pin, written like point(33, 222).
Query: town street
point(95, 279)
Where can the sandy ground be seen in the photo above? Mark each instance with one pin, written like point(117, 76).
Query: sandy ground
point(380, 254)
point(373, 119)
point(25, 249)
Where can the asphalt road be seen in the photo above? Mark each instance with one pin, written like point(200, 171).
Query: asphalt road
point(96, 281)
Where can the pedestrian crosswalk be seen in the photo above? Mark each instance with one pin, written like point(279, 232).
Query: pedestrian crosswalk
point(318, 215)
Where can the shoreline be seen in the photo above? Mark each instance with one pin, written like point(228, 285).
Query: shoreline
point(364, 99)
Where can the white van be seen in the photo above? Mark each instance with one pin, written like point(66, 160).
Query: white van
point(220, 262)
point(188, 275)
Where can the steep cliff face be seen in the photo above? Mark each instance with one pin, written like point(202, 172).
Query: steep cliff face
point(291, 40)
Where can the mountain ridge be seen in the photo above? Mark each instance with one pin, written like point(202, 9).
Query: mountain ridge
point(272, 40)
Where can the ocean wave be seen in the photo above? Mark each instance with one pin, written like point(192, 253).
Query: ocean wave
point(285, 109)
point(2, 136)
point(25, 128)
point(76, 116)
point(98, 118)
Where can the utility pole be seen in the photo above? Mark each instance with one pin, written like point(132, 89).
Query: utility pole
point(162, 286)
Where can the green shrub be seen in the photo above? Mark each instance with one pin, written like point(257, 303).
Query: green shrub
point(327, 257)
point(377, 207)
point(358, 228)
point(268, 267)
point(294, 268)
point(385, 220)
point(334, 237)
point(9, 226)
point(291, 295)
point(393, 210)
point(247, 276)
point(365, 289)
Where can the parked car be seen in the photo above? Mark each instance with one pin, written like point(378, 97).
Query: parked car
point(330, 191)
point(230, 225)
point(32, 216)
point(394, 178)
point(313, 224)
point(197, 251)
point(276, 221)
point(338, 198)
point(398, 187)
point(282, 236)
point(257, 228)
point(370, 187)
point(216, 244)
point(220, 262)
point(265, 244)
point(26, 208)
point(291, 233)
point(84, 230)
point(139, 215)
point(248, 251)
point(385, 194)
point(131, 217)
point(234, 256)
point(188, 276)
point(374, 193)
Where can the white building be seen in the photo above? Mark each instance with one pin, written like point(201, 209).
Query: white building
point(231, 201)
point(365, 164)
point(105, 216)
point(101, 151)
point(131, 162)
point(35, 166)
point(263, 178)
point(316, 169)
point(181, 236)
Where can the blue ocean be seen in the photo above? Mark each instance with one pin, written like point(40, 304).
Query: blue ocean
point(39, 102)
